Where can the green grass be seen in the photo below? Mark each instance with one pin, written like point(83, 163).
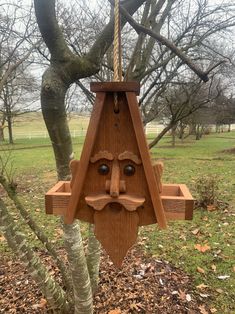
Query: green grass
point(188, 161)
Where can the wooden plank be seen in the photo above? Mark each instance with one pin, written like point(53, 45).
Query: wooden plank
point(49, 199)
point(145, 156)
point(115, 87)
point(122, 227)
point(85, 156)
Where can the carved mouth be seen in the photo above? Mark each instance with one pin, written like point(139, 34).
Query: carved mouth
point(130, 203)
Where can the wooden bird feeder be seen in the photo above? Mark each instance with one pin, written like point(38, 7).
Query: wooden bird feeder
point(115, 185)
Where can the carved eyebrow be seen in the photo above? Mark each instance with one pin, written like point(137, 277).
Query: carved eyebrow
point(104, 154)
point(131, 156)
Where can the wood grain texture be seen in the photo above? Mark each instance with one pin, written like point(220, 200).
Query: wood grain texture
point(101, 155)
point(145, 156)
point(158, 170)
point(115, 87)
point(57, 198)
point(130, 203)
point(85, 156)
point(117, 231)
point(129, 156)
point(115, 180)
point(74, 164)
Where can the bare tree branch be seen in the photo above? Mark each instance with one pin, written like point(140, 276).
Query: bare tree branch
point(164, 41)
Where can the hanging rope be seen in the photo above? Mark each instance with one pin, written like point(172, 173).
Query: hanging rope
point(117, 58)
point(117, 54)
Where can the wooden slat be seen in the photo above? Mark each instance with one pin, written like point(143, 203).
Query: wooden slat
point(115, 87)
point(144, 152)
point(49, 199)
point(122, 227)
point(85, 155)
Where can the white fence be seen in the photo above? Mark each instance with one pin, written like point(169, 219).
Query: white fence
point(44, 134)
point(150, 128)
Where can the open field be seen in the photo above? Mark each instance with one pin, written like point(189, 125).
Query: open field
point(213, 270)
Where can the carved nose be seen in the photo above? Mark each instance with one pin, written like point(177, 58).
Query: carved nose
point(115, 180)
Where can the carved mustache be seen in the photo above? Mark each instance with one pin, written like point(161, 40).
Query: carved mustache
point(98, 202)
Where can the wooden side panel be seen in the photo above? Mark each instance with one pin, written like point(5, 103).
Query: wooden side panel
point(53, 192)
point(85, 156)
point(145, 156)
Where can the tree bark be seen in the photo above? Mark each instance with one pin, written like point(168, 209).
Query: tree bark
point(16, 240)
point(93, 259)
point(1, 133)
point(160, 135)
point(83, 301)
point(37, 231)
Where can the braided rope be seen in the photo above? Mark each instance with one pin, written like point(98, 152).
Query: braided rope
point(117, 59)
point(117, 44)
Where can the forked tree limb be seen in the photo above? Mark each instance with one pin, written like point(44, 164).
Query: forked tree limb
point(203, 75)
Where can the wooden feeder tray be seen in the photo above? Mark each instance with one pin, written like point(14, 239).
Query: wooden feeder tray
point(176, 199)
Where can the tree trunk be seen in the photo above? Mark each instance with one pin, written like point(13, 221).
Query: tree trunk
point(160, 135)
point(1, 133)
point(55, 294)
point(93, 259)
point(10, 131)
point(173, 135)
point(37, 231)
point(83, 299)
point(54, 114)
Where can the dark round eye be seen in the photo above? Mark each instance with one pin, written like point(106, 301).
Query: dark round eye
point(103, 169)
point(129, 170)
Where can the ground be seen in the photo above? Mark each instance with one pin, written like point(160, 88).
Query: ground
point(143, 285)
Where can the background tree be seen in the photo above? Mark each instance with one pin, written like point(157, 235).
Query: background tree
point(17, 43)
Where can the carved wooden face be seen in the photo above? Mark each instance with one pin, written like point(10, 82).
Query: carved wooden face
point(115, 195)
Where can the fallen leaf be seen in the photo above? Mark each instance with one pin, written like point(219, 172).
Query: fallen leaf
point(213, 267)
point(2, 239)
point(183, 237)
point(234, 269)
point(116, 311)
point(40, 305)
point(213, 310)
point(37, 210)
point(182, 295)
point(195, 231)
point(202, 286)
point(202, 309)
point(219, 290)
point(202, 248)
point(200, 270)
point(59, 232)
point(211, 208)
point(134, 306)
point(188, 297)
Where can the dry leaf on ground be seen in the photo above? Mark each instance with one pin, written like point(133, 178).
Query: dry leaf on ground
point(200, 270)
point(202, 248)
